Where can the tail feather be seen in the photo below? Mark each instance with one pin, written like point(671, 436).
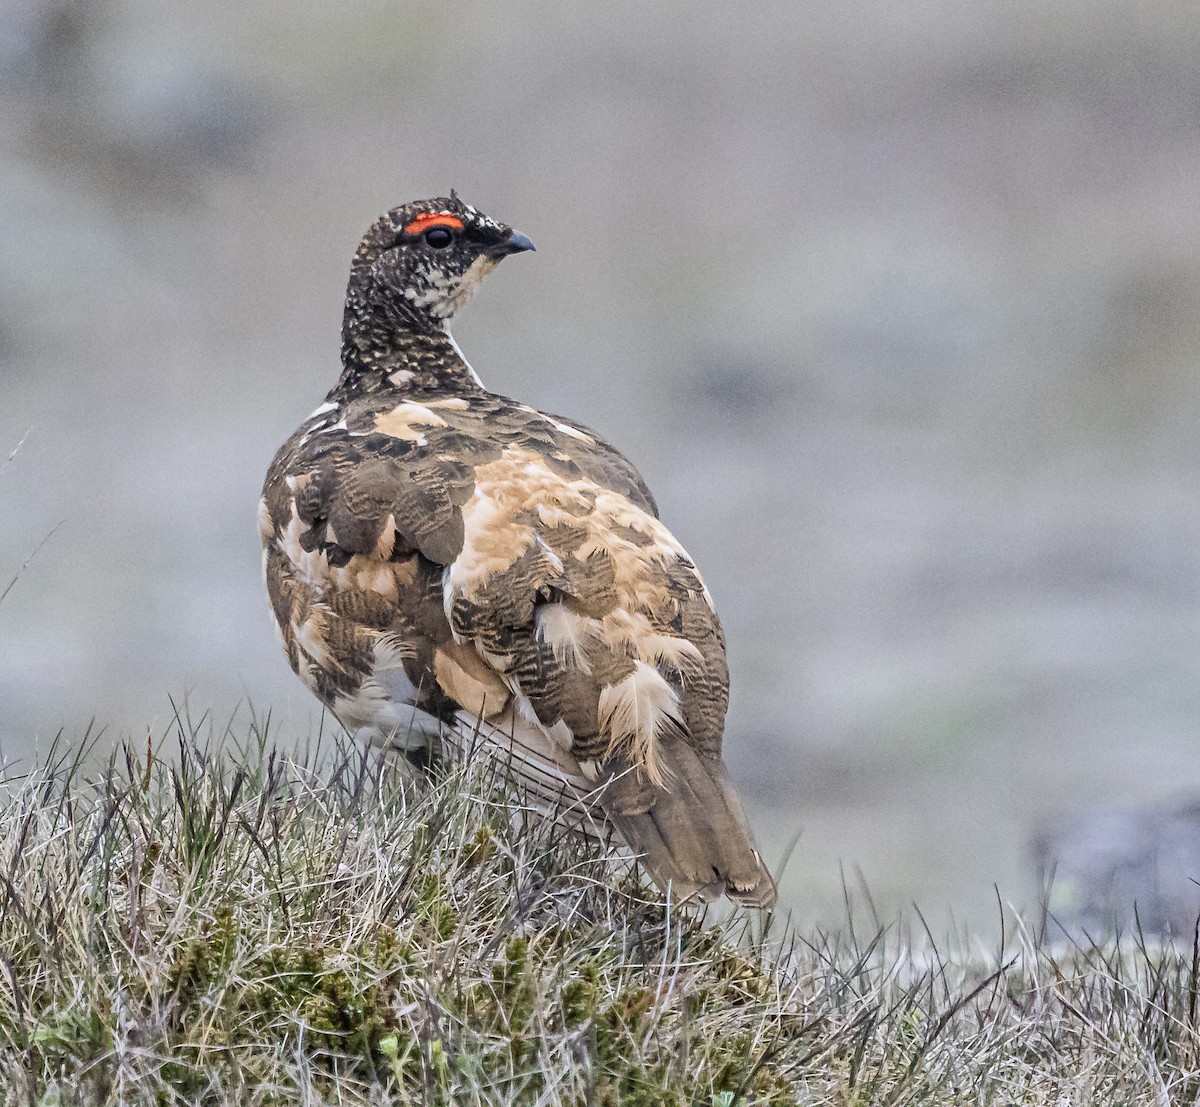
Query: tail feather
point(692, 834)
point(695, 837)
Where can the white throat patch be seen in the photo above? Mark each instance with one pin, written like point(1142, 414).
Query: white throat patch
point(471, 280)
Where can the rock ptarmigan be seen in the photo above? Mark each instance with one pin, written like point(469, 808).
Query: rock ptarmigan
point(447, 564)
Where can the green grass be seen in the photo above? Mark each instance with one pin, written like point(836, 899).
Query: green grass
point(221, 922)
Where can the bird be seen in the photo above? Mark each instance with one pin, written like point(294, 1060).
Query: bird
point(445, 564)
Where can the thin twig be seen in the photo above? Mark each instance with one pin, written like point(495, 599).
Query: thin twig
point(25, 564)
point(16, 449)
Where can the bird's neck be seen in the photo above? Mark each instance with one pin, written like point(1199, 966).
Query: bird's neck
point(389, 345)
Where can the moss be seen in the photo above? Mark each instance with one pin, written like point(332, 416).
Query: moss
point(204, 959)
point(311, 992)
point(482, 848)
point(580, 997)
point(432, 910)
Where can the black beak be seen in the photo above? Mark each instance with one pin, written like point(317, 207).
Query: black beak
point(516, 243)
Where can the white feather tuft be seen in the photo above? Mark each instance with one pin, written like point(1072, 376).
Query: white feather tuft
point(633, 711)
point(566, 633)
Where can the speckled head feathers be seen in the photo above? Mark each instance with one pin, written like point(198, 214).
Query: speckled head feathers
point(429, 256)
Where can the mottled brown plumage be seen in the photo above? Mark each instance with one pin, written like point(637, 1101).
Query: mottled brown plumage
point(446, 564)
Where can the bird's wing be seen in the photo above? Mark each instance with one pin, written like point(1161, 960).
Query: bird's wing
point(597, 620)
point(358, 520)
point(589, 610)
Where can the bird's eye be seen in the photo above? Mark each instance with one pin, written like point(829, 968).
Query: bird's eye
point(439, 237)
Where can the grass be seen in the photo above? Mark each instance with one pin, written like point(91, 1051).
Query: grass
point(218, 921)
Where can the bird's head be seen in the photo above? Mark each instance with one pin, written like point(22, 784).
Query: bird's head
point(428, 257)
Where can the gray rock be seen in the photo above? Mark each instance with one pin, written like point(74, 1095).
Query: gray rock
point(1108, 871)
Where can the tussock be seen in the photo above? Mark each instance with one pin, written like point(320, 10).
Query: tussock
point(220, 922)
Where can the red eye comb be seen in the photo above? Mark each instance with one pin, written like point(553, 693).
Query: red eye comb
point(433, 219)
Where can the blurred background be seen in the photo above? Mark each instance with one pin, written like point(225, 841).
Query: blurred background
point(895, 304)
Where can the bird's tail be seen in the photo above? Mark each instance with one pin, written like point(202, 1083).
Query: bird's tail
point(692, 835)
